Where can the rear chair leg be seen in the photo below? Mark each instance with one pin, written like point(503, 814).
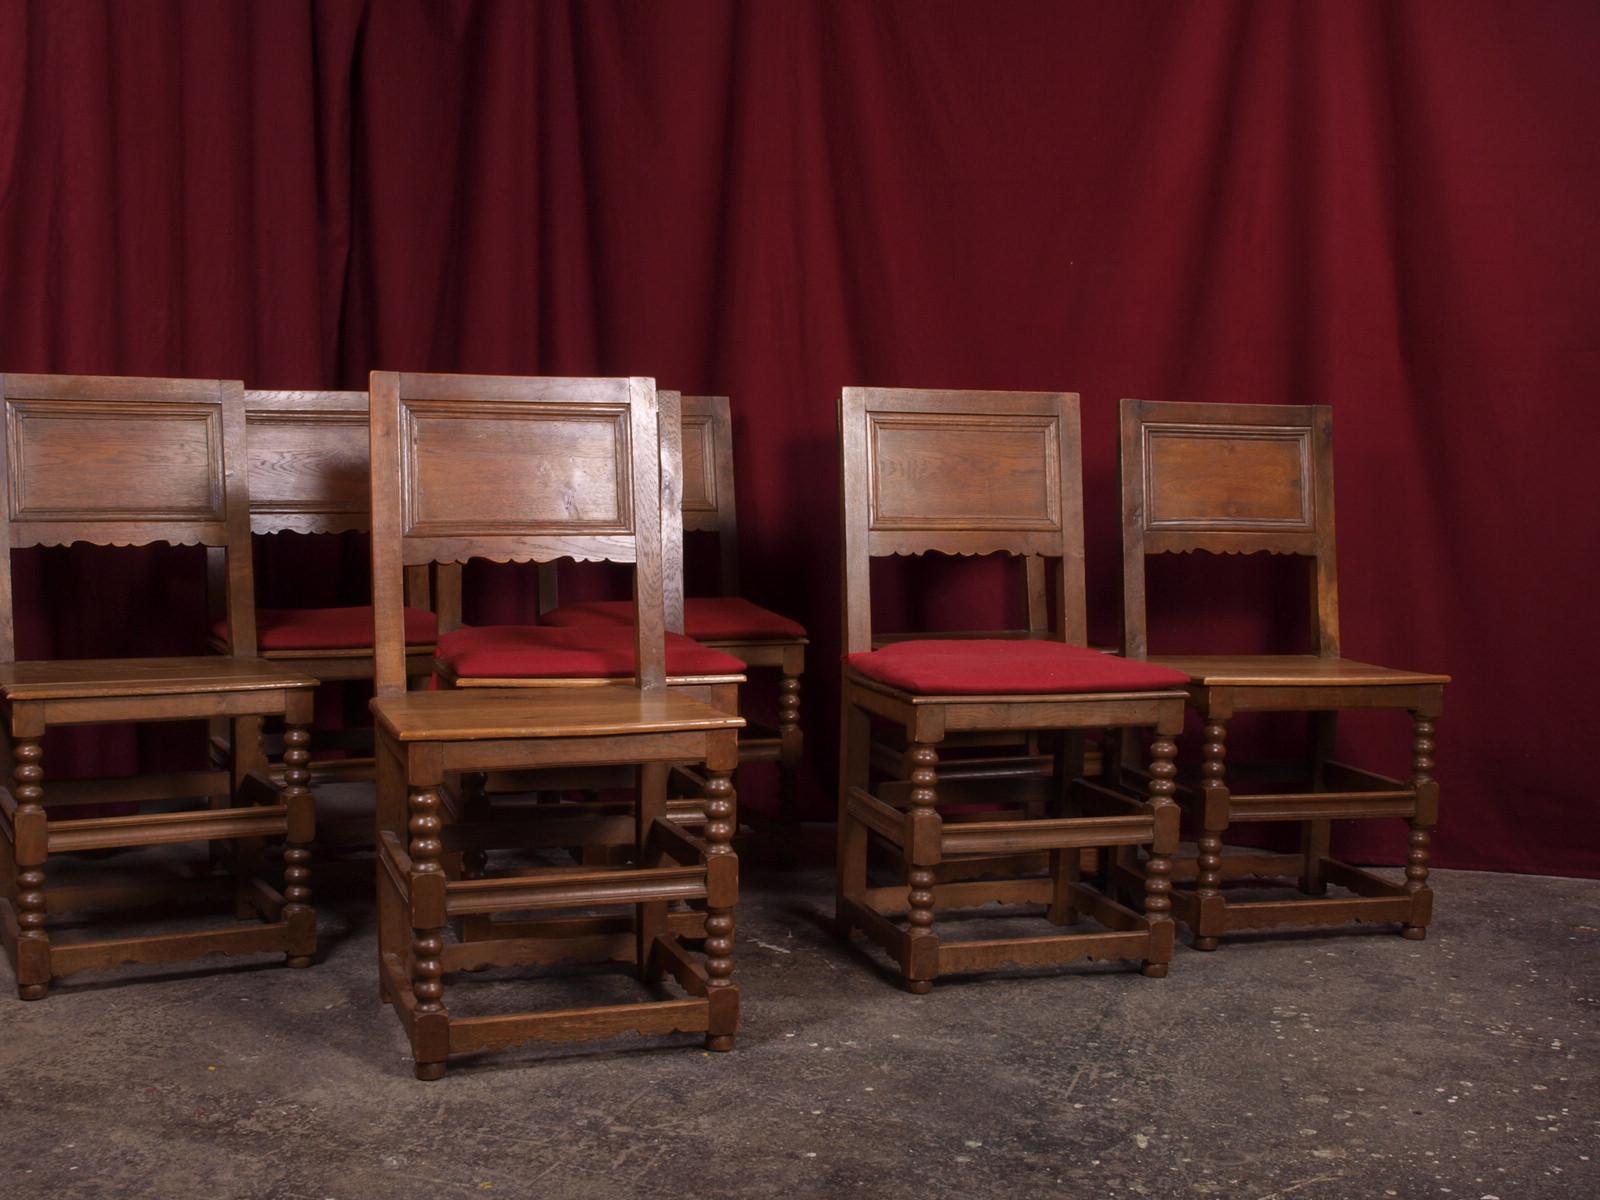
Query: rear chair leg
point(722, 885)
point(1214, 795)
point(1158, 867)
point(789, 751)
point(28, 827)
point(922, 947)
point(298, 916)
point(850, 872)
point(1422, 747)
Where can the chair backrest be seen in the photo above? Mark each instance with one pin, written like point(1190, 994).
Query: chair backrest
point(309, 471)
point(708, 497)
point(692, 454)
point(514, 469)
point(116, 461)
point(963, 473)
point(1227, 479)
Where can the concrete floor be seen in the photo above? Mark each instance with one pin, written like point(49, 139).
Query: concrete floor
point(1342, 1065)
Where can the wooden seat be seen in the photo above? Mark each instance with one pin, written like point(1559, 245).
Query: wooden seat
point(1245, 479)
point(761, 639)
point(533, 470)
point(309, 475)
point(984, 473)
point(129, 462)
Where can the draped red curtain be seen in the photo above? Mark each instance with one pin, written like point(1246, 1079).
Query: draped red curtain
point(1384, 207)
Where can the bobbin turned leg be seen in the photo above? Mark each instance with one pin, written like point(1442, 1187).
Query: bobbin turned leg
point(29, 832)
point(298, 914)
point(1421, 838)
point(722, 890)
point(1210, 905)
point(431, 1035)
point(788, 749)
point(1158, 867)
point(921, 963)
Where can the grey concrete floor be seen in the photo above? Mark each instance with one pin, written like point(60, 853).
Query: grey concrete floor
point(1339, 1065)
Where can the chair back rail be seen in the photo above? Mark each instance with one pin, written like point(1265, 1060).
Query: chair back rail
point(1227, 479)
point(120, 461)
point(310, 470)
point(514, 469)
point(963, 472)
point(709, 503)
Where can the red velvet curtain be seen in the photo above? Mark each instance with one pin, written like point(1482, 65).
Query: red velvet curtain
point(1385, 207)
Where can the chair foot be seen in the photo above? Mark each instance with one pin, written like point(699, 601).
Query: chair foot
point(1152, 970)
point(1414, 933)
point(297, 961)
point(720, 1043)
point(919, 987)
point(430, 1071)
point(1205, 943)
point(32, 991)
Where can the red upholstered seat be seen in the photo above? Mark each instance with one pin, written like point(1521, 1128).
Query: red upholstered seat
point(705, 618)
point(329, 628)
point(993, 666)
point(585, 652)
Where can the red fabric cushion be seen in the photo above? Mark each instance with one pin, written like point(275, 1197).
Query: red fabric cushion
point(992, 666)
point(586, 652)
point(328, 628)
point(705, 618)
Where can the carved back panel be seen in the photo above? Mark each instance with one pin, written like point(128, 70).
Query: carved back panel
point(678, 480)
point(1227, 479)
point(962, 473)
point(117, 461)
point(514, 469)
point(309, 470)
point(708, 497)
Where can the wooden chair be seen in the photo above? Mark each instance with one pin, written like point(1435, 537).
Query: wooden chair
point(309, 474)
point(981, 473)
point(1245, 479)
point(114, 461)
point(587, 653)
point(756, 636)
point(597, 651)
point(518, 470)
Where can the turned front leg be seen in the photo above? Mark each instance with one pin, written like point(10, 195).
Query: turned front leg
point(29, 831)
point(722, 890)
point(921, 963)
point(1423, 745)
point(1158, 867)
point(427, 941)
point(1213, 821)
point(298, 915)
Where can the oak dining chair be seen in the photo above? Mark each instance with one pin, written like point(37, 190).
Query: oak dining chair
point(979, 473)
point(1249, 479)
point(128, 462)
point(517, 470)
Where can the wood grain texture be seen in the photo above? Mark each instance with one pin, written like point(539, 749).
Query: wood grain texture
point(544, 713)
point(309, 468)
